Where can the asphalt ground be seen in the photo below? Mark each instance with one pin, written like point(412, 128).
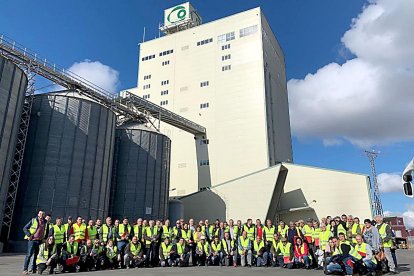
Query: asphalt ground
point(12, 265)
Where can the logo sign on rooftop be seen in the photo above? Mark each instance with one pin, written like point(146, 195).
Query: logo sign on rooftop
point(177, 14)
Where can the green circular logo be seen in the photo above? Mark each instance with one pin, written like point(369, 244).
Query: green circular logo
point(177, 14)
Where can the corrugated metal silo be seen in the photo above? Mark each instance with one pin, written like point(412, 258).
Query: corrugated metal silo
point(67, 167)
point(141, 173)
point(13, 84)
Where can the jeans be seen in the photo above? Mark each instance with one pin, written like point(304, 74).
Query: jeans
point(216, 260)
point(262, 260)
point(390, 259)
point(249, 258)
point(306, 261)
point(370, 265)
point(32, 250)
point(334, 267)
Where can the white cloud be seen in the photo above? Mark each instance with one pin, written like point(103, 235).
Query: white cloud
point(408, 216)
point(368, 100)
point(390, 182)
point(100, 74)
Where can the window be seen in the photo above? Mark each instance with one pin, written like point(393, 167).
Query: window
point(166, 53)
point(148, 57)
point(147, 77)
point(248, 31)
point(226, 68)
point(165, 82)
point(165, 62)
point(204, 142)
point(226, 57)
point(205, 41)
point(164, 102)
point(147, 86)
point(165, 92)
point(225, 47)
point(204, 105)
point(147, 96)
point(225, 37)
point(204, 83)
point(204, 163)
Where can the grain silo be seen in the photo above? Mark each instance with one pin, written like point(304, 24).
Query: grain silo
point(68, 160)
point(141, 173)
point(13, 84)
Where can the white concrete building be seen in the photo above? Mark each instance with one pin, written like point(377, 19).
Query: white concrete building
point(228, 76)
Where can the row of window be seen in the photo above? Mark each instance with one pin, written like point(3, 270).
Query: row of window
point(165, 92)
point(164, 102)
point(226, 57)
point(205, 41)
point(147, 96)
point(204, 83)
point(148, 57)
point(248, 31)
point(165, 62)
point(204, 105)
point(165, 82)
point(166, 53)
point(225, 47)
point(147, 77)
point(226, 68)
point(225, 37)
point(146, 86)
point(204, 162)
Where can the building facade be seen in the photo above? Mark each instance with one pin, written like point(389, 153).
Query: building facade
point(229, 76)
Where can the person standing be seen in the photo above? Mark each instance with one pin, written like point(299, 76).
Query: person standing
point(250, 230)
point(386, 240)
point(151, 237)
point(123, 236)
point(92, 232)
point(293, 232)
point(371, 236)
point(68, 227)
point(107, 232)
point(58, 232)
point(35, 233)
point(79, 230)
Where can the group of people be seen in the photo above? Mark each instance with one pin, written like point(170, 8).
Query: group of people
point(335, 245)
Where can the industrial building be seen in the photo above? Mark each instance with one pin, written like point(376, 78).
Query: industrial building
point(207, 126)
point(229, 76)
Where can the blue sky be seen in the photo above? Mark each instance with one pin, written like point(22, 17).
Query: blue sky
point(309, 32)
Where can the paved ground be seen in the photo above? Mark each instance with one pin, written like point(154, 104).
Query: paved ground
point(12, 265)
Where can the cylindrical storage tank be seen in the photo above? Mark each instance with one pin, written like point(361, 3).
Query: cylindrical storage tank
point(13, 84)
point(175, 210)
point(141, 173)
point(67, 168)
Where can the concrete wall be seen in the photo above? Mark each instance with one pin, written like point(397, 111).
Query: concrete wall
point(236, 120)
point(335, 192)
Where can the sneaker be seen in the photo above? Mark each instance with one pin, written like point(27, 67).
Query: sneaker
point(25, 272)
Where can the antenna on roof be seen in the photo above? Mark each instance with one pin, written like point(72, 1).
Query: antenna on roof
point(143, 36)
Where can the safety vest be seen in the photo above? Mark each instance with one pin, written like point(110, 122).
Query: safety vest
point(269, 232)
point(105, 233)
point(341, 229)
point(197, 236)
point(186, 235)
point(383, 233)
point(354, 232)
point(315, 236)
point(79, 231)
point(236, 231)
point(166, 249)
point(67, 228)
point(216, 247)
point(285, 249)
point(283, 231)
point(244, 243)
point(324, 239)
point(276, 244)
point(205, 247)
point(308, 233)
point(250, 231)
point(257, 246)
point(135, 248)
point(58, 233)
point(122, 230)
point(166, 232)
point(362, 250)
point(224, 245)
point(33, 229)
point(180, 248)
point(111, 252)
point(43, 255)
point(69, 248)
point(352, 252)
point(151, 234)
point(92, 232)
